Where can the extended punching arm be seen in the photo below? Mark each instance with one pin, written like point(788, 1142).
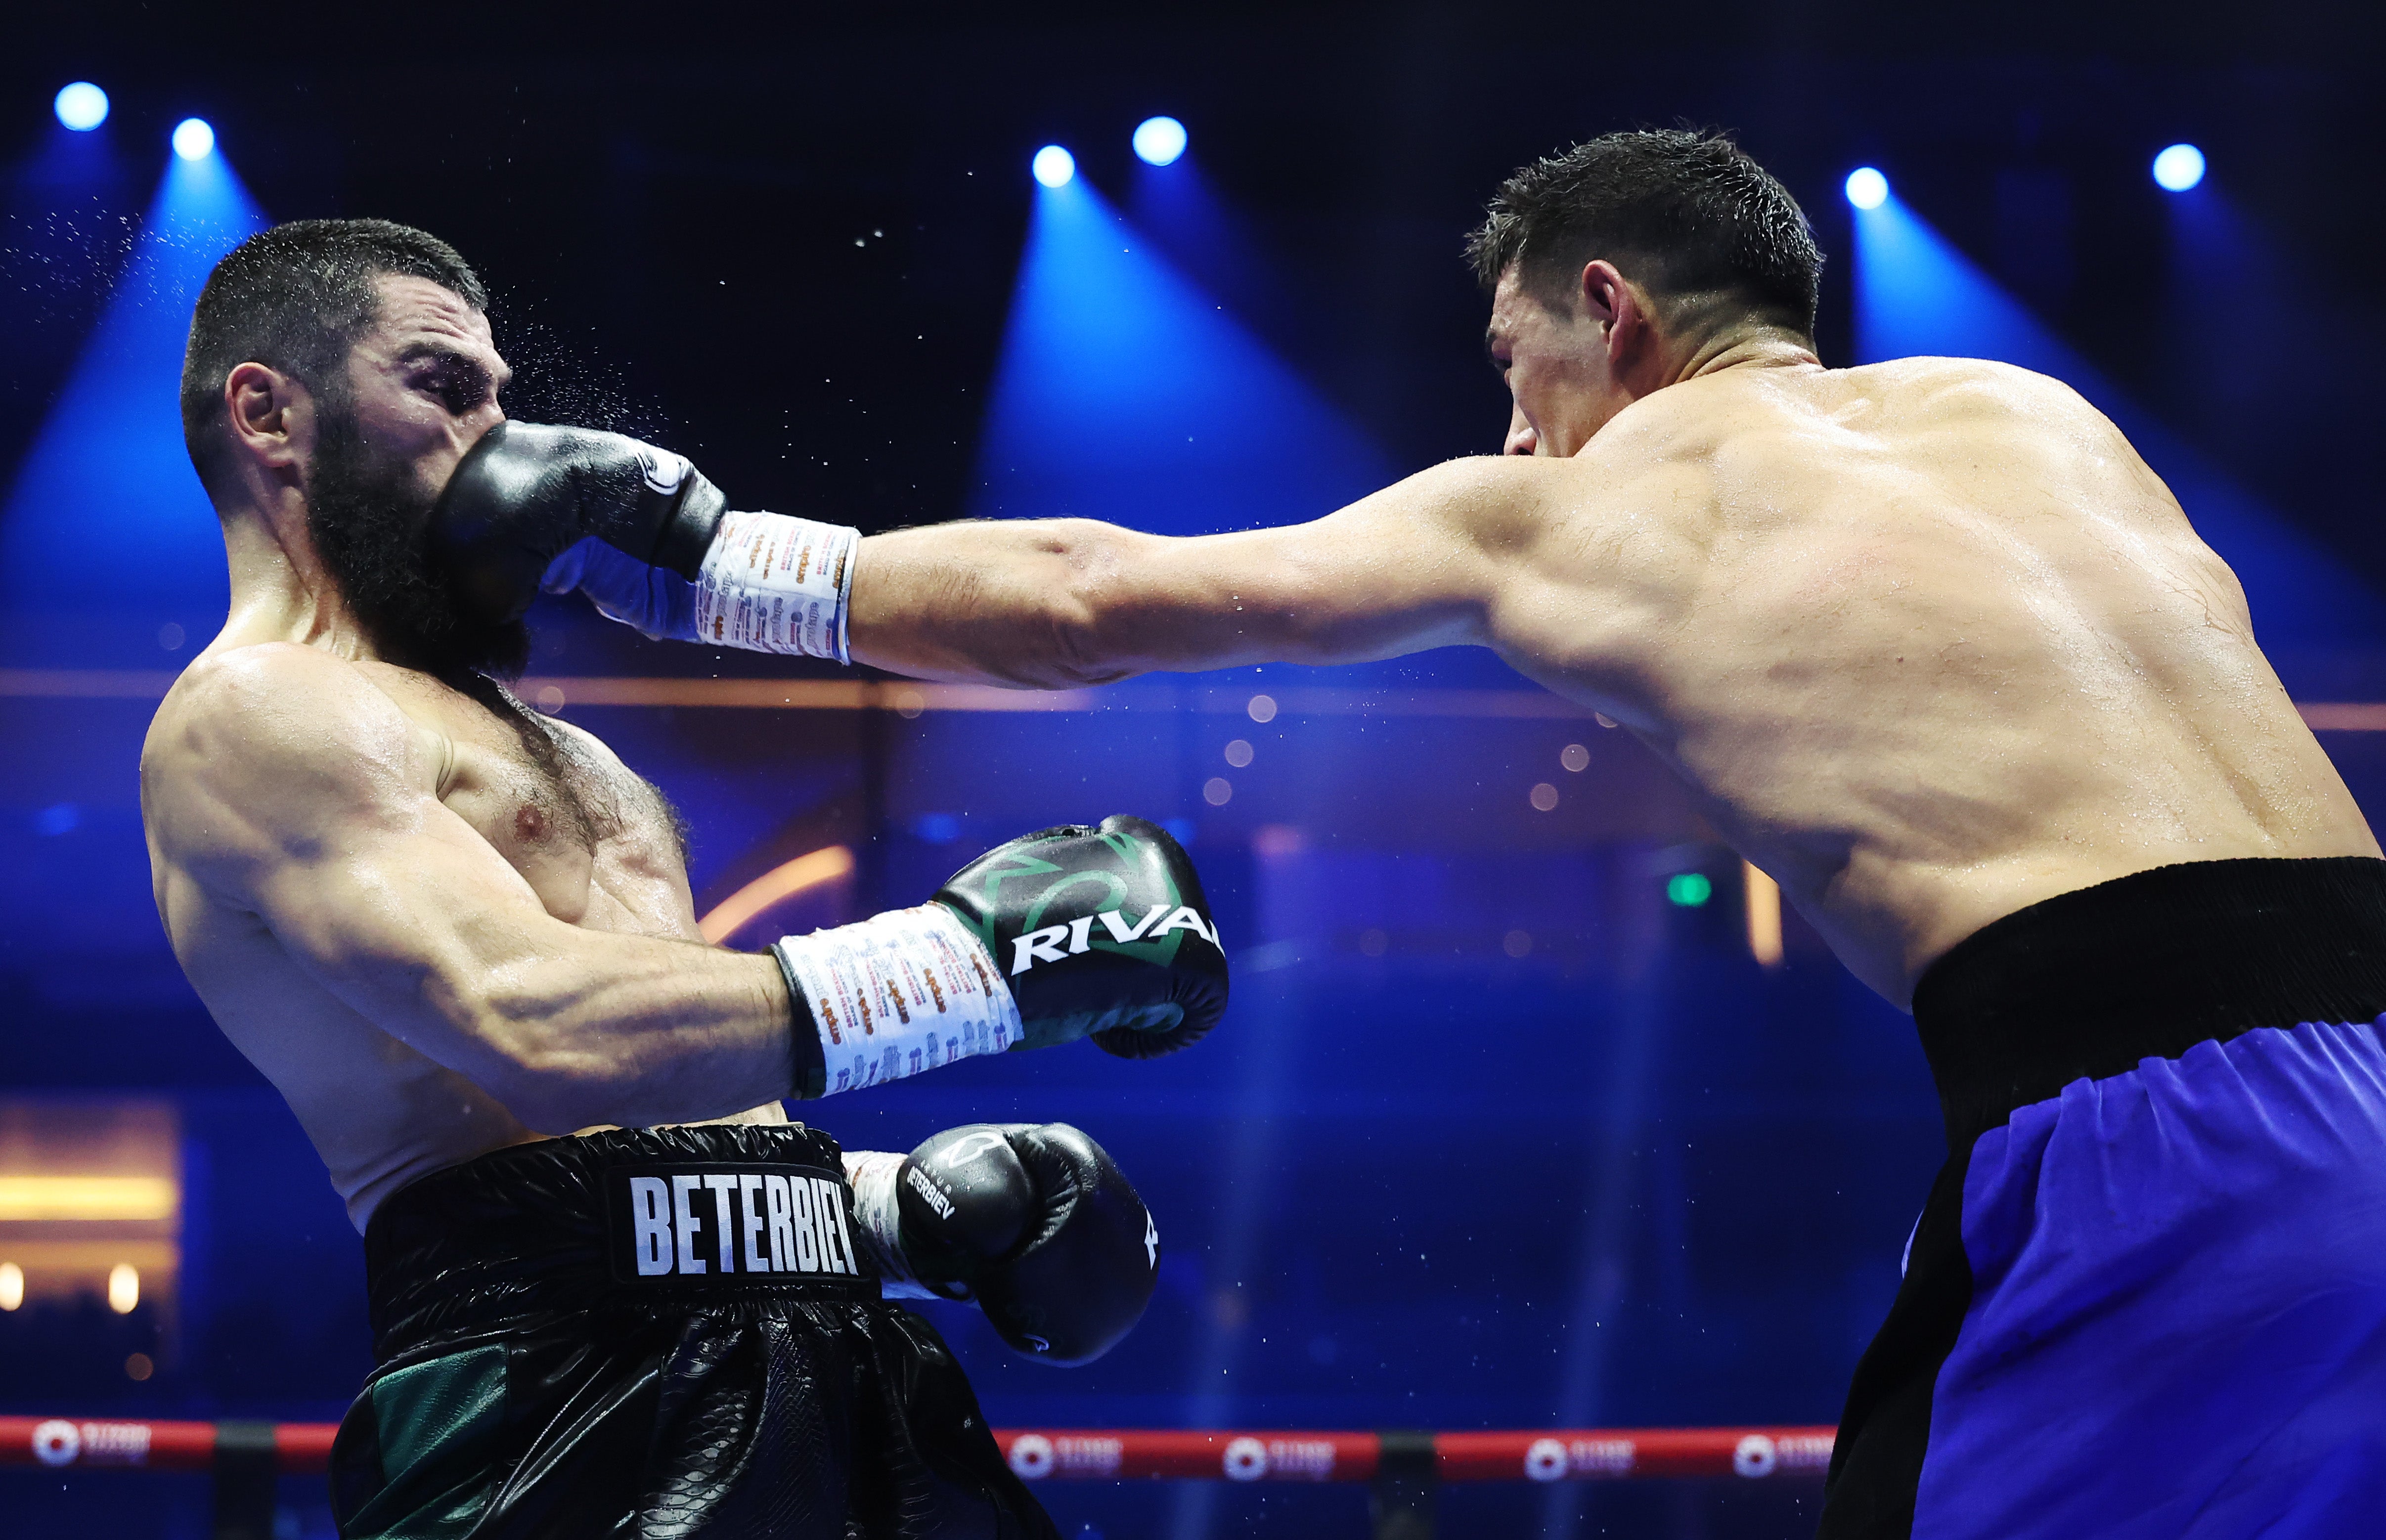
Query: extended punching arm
point(1035, 602)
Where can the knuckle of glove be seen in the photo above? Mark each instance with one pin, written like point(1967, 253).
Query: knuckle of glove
point(1100, 930)
point(518, 499)
point(529, 491)
point(488, 532)
point(1081, 1284)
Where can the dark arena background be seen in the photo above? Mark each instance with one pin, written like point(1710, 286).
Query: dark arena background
point(1534, 1109)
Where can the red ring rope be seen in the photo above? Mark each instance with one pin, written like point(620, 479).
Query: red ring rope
point(1088, 1454)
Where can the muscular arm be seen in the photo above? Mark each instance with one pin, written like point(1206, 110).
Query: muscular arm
point(1047, 604)
point(286, 784)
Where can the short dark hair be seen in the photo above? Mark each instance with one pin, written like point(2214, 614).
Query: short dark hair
point(1686, 211)
point(296, 298)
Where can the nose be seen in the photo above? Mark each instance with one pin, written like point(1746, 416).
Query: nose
point(479, 419)
point(1522, 439)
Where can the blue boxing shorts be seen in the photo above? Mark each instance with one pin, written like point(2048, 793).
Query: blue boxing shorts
point(2147, 1297)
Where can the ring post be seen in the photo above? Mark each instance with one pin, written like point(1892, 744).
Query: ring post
point(245, 1464)
point(1400, 1499)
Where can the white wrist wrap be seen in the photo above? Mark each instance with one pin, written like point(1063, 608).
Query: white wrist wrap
point(772, 583)
point(899, 993)
point(872, 1173)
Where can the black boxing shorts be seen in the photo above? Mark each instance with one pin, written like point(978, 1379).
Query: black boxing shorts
point(656, 1332)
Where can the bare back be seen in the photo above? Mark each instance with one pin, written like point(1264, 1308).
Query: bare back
point(1928, 638)
point(595, 844)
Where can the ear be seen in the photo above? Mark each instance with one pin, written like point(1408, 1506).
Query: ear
point(273, 417)
point(1622, 313)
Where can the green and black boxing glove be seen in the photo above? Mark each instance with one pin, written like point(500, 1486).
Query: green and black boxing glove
point(1067, 933)
point(1101, 933)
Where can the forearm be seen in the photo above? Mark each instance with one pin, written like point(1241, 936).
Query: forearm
point(566, 1027)
point(1057, 604)
point(632, 1031)
point(1050, 604)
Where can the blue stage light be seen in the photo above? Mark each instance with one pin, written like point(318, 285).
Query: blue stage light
point(1054, 166)
point(2179, 168)
point(82, 107)
point(1159, 141)
point(193, 139)
point(111, 446)
point(1867, 188)
point(1202, 427)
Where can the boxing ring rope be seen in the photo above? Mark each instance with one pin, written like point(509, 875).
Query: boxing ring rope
point(1402, 1467)
point(909, 699)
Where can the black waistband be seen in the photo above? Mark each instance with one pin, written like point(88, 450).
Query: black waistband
point(690, 1217)
point(2147, 966)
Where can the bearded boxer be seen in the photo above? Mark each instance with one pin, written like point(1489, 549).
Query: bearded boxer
point(1932, 646)
point(614, 1290)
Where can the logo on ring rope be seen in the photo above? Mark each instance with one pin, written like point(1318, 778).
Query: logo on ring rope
point(1755, 1456)
point(56, 1442)
point(1556, 1458)
point(1031, 1455)
point(1246, 1459)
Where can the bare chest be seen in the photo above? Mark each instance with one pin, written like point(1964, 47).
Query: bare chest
point(597, 844)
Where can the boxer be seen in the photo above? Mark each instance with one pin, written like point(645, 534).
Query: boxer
point(459, 937)
point(1931, 645)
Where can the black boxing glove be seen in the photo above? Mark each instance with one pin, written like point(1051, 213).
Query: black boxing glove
point(1065, 934)
point(643, 535)
point(529, 492)
point(1033, 1222)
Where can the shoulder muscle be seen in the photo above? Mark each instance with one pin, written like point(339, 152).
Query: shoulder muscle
point(270, 754)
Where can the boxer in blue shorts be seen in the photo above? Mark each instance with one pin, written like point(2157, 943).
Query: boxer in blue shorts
point(1931, 645)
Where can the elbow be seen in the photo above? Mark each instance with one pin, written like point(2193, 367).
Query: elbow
point(1099, 619)
point(1086, 619)
point(1081, 650)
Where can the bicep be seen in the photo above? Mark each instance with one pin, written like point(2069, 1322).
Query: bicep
point(1417, 565)
point(306, 798)
point(406, 914)
point(417, 925)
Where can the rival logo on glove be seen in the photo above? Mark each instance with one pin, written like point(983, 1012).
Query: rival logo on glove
point(1046, 945)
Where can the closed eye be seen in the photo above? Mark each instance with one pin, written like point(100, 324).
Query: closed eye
point(459, 383)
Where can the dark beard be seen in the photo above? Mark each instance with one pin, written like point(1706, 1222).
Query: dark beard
point(368, 516)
